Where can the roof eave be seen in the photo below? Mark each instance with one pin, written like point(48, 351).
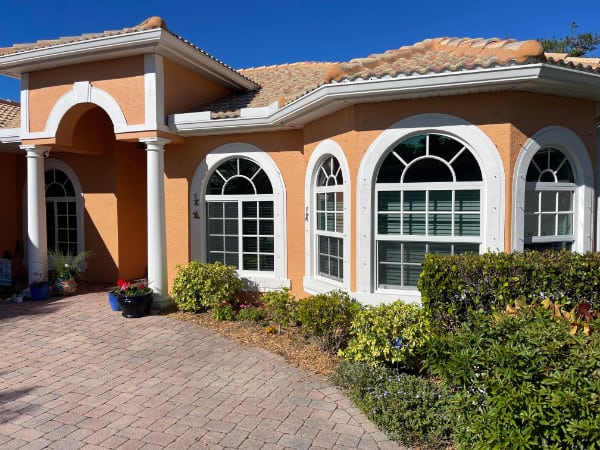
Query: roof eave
point(334, 96)
point(155, 40)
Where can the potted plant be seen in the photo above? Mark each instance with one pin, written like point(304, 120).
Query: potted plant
point(17, 296)
point(66, 267)
point(38, 288)
point(134, 297)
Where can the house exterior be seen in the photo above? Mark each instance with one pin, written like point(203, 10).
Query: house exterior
point(315, 176)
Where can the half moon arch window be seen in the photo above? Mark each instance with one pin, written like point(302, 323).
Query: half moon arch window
point(61, 212)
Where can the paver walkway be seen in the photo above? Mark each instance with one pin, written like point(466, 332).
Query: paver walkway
point(74, 374)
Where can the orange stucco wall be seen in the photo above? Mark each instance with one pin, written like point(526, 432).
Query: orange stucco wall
point(123, 79)
point(185, 90)
point(507, 119)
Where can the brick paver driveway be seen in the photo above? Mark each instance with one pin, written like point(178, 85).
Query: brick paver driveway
point(74, 374)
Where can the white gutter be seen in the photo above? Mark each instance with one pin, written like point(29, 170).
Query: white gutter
point(10, 135)
point(334, 96)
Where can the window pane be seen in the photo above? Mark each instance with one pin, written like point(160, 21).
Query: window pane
point(250, 227)
point(231, 209)
point(250, 209)
point(323, 245)
point(548, 201)
point(321, 221)
point(439, 249)
point(215, 243)
point(339, 201)
point(565, 173)
point(531, 225)
point(321, 202)
point(440, 225)
point(414, 201)
point(388, 201)
point(250, 262)
point(339, 223)
point(391, 170)
point(565, 224)
point(232, 259)
point(390, 251)
point(466, 248)
point(427, 171)
point(412, 148)
point(389, 224)
point(565, 201)
point(231, 244)
point(411, 275)
point(414, 252)
point(250, 244)
point(265, 209)
point(266, 227)
point(231, 226)
point(330, 225)
point(531, 201)
point(443, 146)
point(466, 200)
point(547, 222)
point(390, 275)
point(440, 201)
point(466, 167)
point(215, 226)
point(466, 225)
point(330, 201)
point(267, 263)
point(414, 224)
point(266, 245)
point(215, 209)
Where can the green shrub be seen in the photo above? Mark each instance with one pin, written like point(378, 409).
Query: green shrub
point(393, 334)
point(411, 410)
point(326, 318)
point(523, 381)
point(281, 307)
point(198, 287)
point(452, 286)
point(223, 312)
point(251, 314)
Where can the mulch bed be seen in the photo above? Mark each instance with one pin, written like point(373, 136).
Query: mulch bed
point(289, 343)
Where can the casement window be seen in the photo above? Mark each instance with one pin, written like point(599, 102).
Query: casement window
point(329, 220)
point(239, 215)
point(549, 201)
point(428, 196)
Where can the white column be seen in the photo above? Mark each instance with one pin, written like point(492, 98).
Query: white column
point(157, 233)
point(37, 240)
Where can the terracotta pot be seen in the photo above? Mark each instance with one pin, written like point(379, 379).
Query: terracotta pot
point(65, 286)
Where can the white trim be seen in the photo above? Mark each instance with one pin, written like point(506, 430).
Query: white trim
point(573, 148)
point(326, 99)
point(82, 92)
point(57, 164)
point(492, 192)
point(154, 105)
point(265, 111)
point(598, 182)
point(10, 135)
point(25, 102)
point(198, 207)
point(312, 283)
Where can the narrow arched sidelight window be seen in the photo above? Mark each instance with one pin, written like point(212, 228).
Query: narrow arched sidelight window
point(428, 200)
point(61, 212)
point(549, 201)
point(329, 212)
point(240, 216)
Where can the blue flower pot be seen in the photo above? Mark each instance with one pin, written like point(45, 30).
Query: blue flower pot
point(38, 292)
point(135, 305)
point(113, 302)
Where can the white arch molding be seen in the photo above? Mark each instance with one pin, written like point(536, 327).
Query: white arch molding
point(312, 284)
point(84, 92)
point(573, 148)
point(198, 207)
point(492, 201)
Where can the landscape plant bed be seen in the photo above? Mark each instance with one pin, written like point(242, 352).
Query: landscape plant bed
point(289, 343)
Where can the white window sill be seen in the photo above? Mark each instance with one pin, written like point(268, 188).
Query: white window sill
point(263, 283)
point(321, 285)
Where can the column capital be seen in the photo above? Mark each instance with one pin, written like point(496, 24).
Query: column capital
point(39, 151)
point(154, 143)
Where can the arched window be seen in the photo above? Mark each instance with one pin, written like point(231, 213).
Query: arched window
point(61, 212)
point(329, 220)
point(428, 195)
point(240, 218)
point(549, 201)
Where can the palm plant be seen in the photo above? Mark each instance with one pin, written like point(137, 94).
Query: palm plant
point(67, 265)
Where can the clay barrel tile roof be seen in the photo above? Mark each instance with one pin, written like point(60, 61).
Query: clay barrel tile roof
point(438, 55)
point(10, 114)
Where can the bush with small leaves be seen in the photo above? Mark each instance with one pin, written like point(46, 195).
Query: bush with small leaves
point(391, 334)
point(326, 318)
point(198, 287)
point(411, 410)
point(223, 312)
point(280, 307)
point(251, 314)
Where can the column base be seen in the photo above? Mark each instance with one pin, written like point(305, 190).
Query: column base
point(163, 304)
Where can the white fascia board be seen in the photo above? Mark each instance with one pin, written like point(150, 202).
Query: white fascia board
point(263, 111)
point(334, 96)
point(82, 51)
point(10, 135)
point(176, 49)
point(573, 81)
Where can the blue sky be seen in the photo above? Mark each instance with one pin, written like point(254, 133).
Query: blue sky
point(260, 32)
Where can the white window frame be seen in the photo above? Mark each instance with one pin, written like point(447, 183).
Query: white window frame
point(492, 194)
point(57, 164)
point(313, 283)
point(574, 149)
point(253, 280)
